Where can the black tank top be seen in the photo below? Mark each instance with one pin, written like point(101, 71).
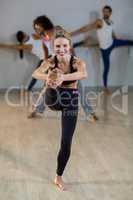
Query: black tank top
point(72, 70)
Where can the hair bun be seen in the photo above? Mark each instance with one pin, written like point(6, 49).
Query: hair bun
point(61, 32)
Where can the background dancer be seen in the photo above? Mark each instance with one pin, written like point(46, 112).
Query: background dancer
point(107, 40)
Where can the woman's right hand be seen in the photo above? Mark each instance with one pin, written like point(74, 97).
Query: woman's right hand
point(54, 78)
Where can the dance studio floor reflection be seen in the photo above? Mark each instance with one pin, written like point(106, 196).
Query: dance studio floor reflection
point(101, 163)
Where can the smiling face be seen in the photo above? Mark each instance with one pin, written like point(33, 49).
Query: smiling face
point(62, 47)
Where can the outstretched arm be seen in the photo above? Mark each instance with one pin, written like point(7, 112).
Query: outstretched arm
point(40, 73)
point(87, 27)
point(80, 74)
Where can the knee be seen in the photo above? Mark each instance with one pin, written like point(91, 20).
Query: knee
point(66, 147)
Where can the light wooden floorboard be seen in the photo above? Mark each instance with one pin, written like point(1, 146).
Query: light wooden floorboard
point(100, 166)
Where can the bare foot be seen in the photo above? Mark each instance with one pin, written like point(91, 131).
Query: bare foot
point(59, 183)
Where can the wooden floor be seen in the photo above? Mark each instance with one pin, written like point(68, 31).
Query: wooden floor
point(101, 163)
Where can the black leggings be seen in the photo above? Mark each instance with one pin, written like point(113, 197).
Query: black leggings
point(65, 100)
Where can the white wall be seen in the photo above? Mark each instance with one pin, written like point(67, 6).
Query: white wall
point(17, 14)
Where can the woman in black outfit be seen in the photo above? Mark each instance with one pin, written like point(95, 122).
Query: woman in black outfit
point(61, 72)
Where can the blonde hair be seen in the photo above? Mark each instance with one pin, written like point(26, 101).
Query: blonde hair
point(61, 32)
